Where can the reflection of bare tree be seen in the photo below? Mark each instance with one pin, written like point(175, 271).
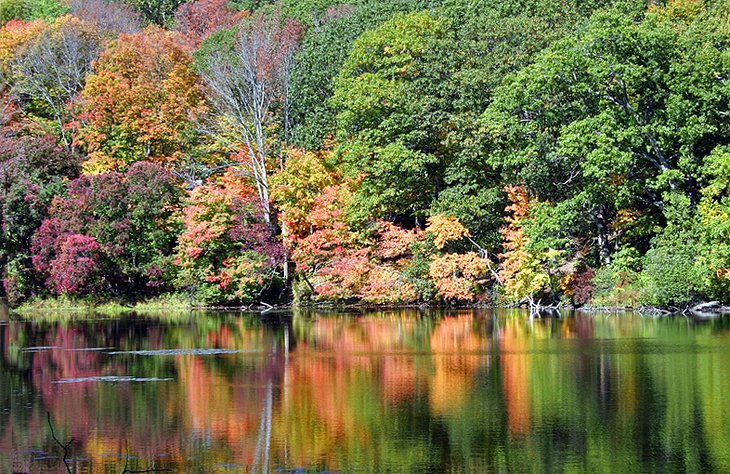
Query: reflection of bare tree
point(263, 444)
point(66, 460)
point(62, 445)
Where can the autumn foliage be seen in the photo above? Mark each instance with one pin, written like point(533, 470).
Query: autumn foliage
point(445, 229)
point(376, 264)
point(120, 221)
point(139, 102)
point(515, 257)
point(376, 152)
point(13, 35)
point(75, 268)
point(527, 274)
point(198, 19)
point(226, 251)
point(458, 276)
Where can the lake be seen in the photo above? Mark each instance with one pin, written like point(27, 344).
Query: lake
point(385, 391)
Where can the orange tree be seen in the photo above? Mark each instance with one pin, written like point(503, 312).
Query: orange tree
point(139, 103)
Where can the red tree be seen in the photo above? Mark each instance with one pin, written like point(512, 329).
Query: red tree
point(198, 19)
point(76, 268)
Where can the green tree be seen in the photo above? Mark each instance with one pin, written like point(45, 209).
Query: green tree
point(486, 40)
point(158, 12)
point(610, 121)
point(332, 32)
point(390, 126)
point(712, 227)
point(27, 10)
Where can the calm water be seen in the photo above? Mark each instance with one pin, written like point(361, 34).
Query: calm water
point(396, 391)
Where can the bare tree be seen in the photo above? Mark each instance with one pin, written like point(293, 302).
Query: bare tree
point(52, 68)
point(113, 18)
point(248, 85)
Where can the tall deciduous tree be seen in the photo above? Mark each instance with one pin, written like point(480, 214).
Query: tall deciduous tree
point(614, 121)
point(334, 29)
point(248, 84)
point(389, 125)
point(13, 37)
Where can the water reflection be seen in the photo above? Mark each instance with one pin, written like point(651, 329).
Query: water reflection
point(393, 391)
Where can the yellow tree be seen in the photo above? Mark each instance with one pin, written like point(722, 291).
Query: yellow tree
point(523, 273)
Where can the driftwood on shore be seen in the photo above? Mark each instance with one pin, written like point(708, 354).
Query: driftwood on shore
point(710, 309)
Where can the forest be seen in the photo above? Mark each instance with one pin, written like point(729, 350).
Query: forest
point(385, 152)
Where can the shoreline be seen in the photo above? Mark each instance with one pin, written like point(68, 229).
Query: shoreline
point(178, 305)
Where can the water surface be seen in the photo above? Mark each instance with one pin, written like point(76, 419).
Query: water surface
point(389, 391)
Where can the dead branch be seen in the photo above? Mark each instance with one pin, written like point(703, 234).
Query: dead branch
point(63, 446)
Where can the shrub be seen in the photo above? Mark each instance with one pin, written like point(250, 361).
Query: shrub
point(668, 276)
point(128, 215)
point(617, 284)
point(76, 270)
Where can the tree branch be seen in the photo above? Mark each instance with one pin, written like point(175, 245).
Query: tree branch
point(63, 446)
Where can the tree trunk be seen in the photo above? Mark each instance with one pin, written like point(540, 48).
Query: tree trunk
point(602, 241)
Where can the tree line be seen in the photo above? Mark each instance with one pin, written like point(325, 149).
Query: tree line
point(385, 152)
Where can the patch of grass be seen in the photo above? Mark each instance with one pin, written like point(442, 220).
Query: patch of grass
point(85, 308)
point(168, 302)
point(56, 304)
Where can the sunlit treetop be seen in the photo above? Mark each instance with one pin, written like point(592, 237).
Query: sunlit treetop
point(139, 103)
point(29, 10)
point(446, 229)
point(198, 19)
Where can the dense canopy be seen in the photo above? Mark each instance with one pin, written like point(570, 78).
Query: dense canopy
point(385, 152)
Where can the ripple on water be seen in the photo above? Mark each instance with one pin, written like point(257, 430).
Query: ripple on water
point(173, 352)
point(86, 349)
point(111, 378)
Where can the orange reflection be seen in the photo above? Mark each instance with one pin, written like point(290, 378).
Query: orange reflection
point(515, 377)
point(458, 352)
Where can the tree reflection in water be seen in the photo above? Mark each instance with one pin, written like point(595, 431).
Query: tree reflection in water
point(395, 391)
